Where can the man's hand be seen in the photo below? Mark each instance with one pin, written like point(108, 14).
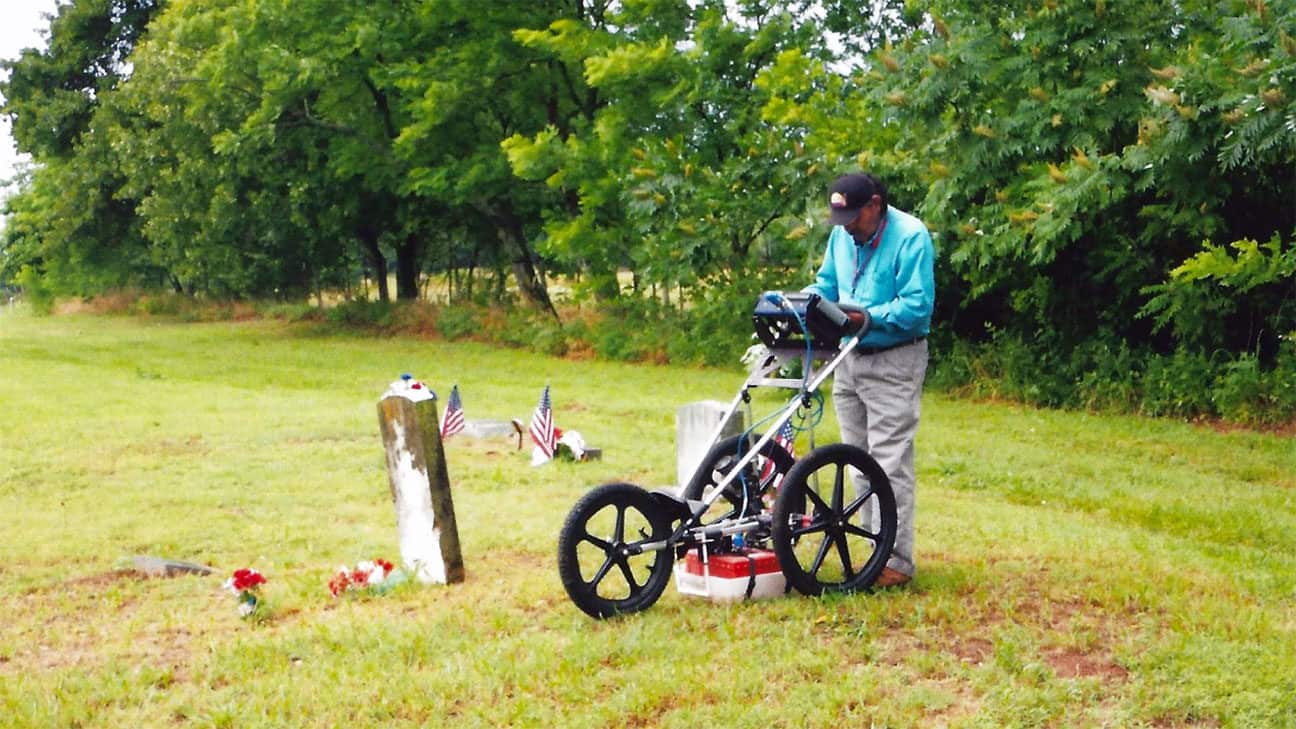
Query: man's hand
point(859, 320)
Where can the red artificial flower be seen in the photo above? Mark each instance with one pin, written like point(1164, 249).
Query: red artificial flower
point(358, 579)
point(246, 579)
point(339, 583)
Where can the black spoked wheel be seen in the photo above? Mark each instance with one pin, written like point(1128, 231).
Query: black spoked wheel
point(760, 478)
point(595, 551)
point(834, 521)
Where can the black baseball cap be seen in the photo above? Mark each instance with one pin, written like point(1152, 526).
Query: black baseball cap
point(849, 193)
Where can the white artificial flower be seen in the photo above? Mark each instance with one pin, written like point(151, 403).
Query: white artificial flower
point(575, 442)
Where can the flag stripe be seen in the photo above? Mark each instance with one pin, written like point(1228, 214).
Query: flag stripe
point(542, 426)
point(453, 421)
point(786, 438)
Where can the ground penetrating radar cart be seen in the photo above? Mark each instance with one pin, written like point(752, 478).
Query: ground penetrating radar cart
point(830, 517)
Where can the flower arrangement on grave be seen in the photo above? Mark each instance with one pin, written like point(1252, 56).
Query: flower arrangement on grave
point(373, 576)
point(571, 446)
point(246, 585)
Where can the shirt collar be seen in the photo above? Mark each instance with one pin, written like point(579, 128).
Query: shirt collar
point(877, 234)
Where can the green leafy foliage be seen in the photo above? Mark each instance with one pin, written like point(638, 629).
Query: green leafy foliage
point(1217, 289)
point(676, 164)
point(1098, 376)
point(1068, 143)
point(70, 222)
point(37, 293)
point(1109, 183)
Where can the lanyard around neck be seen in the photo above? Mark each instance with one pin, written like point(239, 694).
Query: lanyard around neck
point(860, 260)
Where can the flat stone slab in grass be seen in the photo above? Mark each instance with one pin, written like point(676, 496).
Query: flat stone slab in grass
point(513, 429)
point(159, 567)
point(489, 429)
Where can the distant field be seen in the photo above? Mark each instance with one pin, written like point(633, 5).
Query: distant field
point(1074, 570)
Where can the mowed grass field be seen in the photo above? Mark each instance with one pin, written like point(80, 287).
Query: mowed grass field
point(1074, 570)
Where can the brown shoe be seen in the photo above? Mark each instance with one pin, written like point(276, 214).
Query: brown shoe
point(891, 578)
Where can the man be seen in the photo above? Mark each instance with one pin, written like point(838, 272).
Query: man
point(880, 259)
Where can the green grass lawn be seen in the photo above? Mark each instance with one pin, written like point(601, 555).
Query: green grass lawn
point(1074, 569)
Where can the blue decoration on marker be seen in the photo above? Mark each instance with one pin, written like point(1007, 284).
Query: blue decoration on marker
point(406, 376)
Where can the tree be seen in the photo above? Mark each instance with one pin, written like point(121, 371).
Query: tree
point(1225, 110)
point(51, 95)
point(1069, 154)
point(379, 125)
point(474, 87)
point(68, 221)
point(673, 169)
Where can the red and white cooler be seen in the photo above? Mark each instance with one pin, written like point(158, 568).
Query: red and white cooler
point(745, 574)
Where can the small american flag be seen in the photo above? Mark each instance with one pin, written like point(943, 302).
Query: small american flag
point(453, 420)
point(786, 438)
point(542, 426)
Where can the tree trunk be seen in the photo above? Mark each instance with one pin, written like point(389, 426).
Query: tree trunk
point(501, 278)
point(472, 271)
point(528, 278)
point(368, 236)
point(407, 268)
point(512, 236)
point(532, 286)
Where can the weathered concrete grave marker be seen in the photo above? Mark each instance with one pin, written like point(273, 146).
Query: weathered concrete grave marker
point(420, 483)
point(695, 423)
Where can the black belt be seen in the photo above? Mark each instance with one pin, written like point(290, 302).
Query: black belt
point(889, 347)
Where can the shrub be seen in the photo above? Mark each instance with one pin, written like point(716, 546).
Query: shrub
point(1107, 375)
point(713, 331)
point(410, 318)
point(548, 336)
point(158, 305)
point(1248, 394)
point(1177, 385)
point(38, 295)
point(293, 312)
point(362, 313)
point(612, 342)
point(1007, 368)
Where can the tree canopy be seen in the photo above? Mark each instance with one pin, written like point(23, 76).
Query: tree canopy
point(1090, 168)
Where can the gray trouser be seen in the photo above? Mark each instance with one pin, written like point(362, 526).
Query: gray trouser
point(878, 397)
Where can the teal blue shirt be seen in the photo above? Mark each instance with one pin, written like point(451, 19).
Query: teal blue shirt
point(893, 280)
